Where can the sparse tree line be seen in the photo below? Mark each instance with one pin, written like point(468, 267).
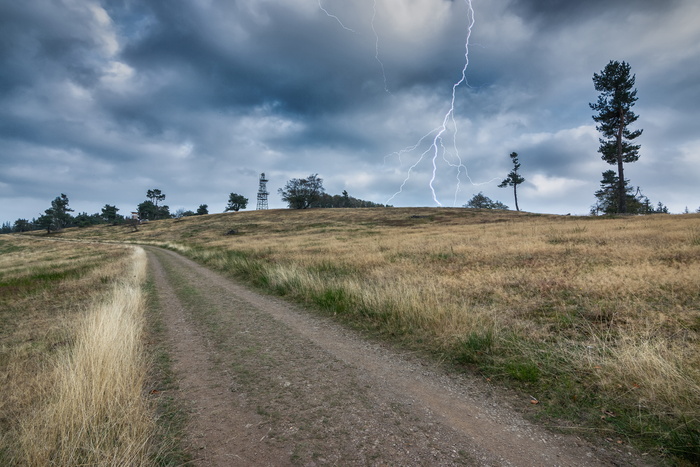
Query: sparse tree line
point(614, 117)
point(298, 193)
point(59, 216)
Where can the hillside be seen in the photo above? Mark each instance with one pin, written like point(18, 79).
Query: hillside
point(596, 318)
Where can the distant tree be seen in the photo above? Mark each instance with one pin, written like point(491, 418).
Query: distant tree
point(481, 201)
point(302, 193)
point(514, 178)
point(85, 220)
point(163, 212)
point(639, 204)
point(61, 211)
point(661, 208)
point(183, 213)
point(82, 219)
point(614, 107)
point(343, 201)
point(202, 210)
point(155, 196)
point(236, 202)
point(45, 221)
point(6, 228)
point(110, 216)
point(149, 211)
point(22, 225)
point(57, 216)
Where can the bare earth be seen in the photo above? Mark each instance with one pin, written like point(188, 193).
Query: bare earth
point(267, 383)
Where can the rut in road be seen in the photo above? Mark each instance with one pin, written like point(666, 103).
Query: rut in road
point(266, 383)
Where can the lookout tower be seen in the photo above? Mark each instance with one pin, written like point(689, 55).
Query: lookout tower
point(262, 192)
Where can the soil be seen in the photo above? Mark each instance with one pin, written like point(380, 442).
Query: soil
point(268, 383)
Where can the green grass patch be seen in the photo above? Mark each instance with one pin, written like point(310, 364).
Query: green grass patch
point(333, 300)
point(527, 372)
point(474, 347)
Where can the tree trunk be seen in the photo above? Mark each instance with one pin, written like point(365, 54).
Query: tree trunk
point(515, 195)
point(622, 198)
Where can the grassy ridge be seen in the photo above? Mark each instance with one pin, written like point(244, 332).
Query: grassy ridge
point(71, 357)
point(597, 318)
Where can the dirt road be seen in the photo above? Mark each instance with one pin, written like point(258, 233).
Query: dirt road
point(266, 383)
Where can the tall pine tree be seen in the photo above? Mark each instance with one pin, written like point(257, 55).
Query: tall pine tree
point(617, 96)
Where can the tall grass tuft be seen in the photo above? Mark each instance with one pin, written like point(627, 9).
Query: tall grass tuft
point(96, 412)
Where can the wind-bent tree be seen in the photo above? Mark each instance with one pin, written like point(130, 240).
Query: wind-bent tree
point(514, 178)
point(236, 202)
point(617, 96)
point(302, 193)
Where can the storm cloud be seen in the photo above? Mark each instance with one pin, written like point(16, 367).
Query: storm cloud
point(103, 100)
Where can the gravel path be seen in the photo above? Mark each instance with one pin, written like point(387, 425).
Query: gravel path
point(266, 383)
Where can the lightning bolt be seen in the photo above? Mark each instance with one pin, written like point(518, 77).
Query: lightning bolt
point(376, 46)
point(374, 31)
point(437, 149)
point(330, 15)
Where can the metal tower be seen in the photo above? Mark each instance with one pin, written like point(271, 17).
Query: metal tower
point(262, 192)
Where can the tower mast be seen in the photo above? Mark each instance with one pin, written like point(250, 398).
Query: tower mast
point(262, 192)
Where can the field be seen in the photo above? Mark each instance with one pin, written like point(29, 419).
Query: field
point(72, 365)
point(597, 320)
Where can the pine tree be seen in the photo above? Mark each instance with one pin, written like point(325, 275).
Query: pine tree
point(617, 96)
point(58, 215)
point(514, 178)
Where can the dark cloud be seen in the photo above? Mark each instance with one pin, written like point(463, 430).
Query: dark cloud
point(104, 100)
point(553, 14)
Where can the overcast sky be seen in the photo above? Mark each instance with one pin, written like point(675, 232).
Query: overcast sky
point(103, 100)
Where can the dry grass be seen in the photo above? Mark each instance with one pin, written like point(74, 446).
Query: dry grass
point(599, 315)
point(72, 362)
